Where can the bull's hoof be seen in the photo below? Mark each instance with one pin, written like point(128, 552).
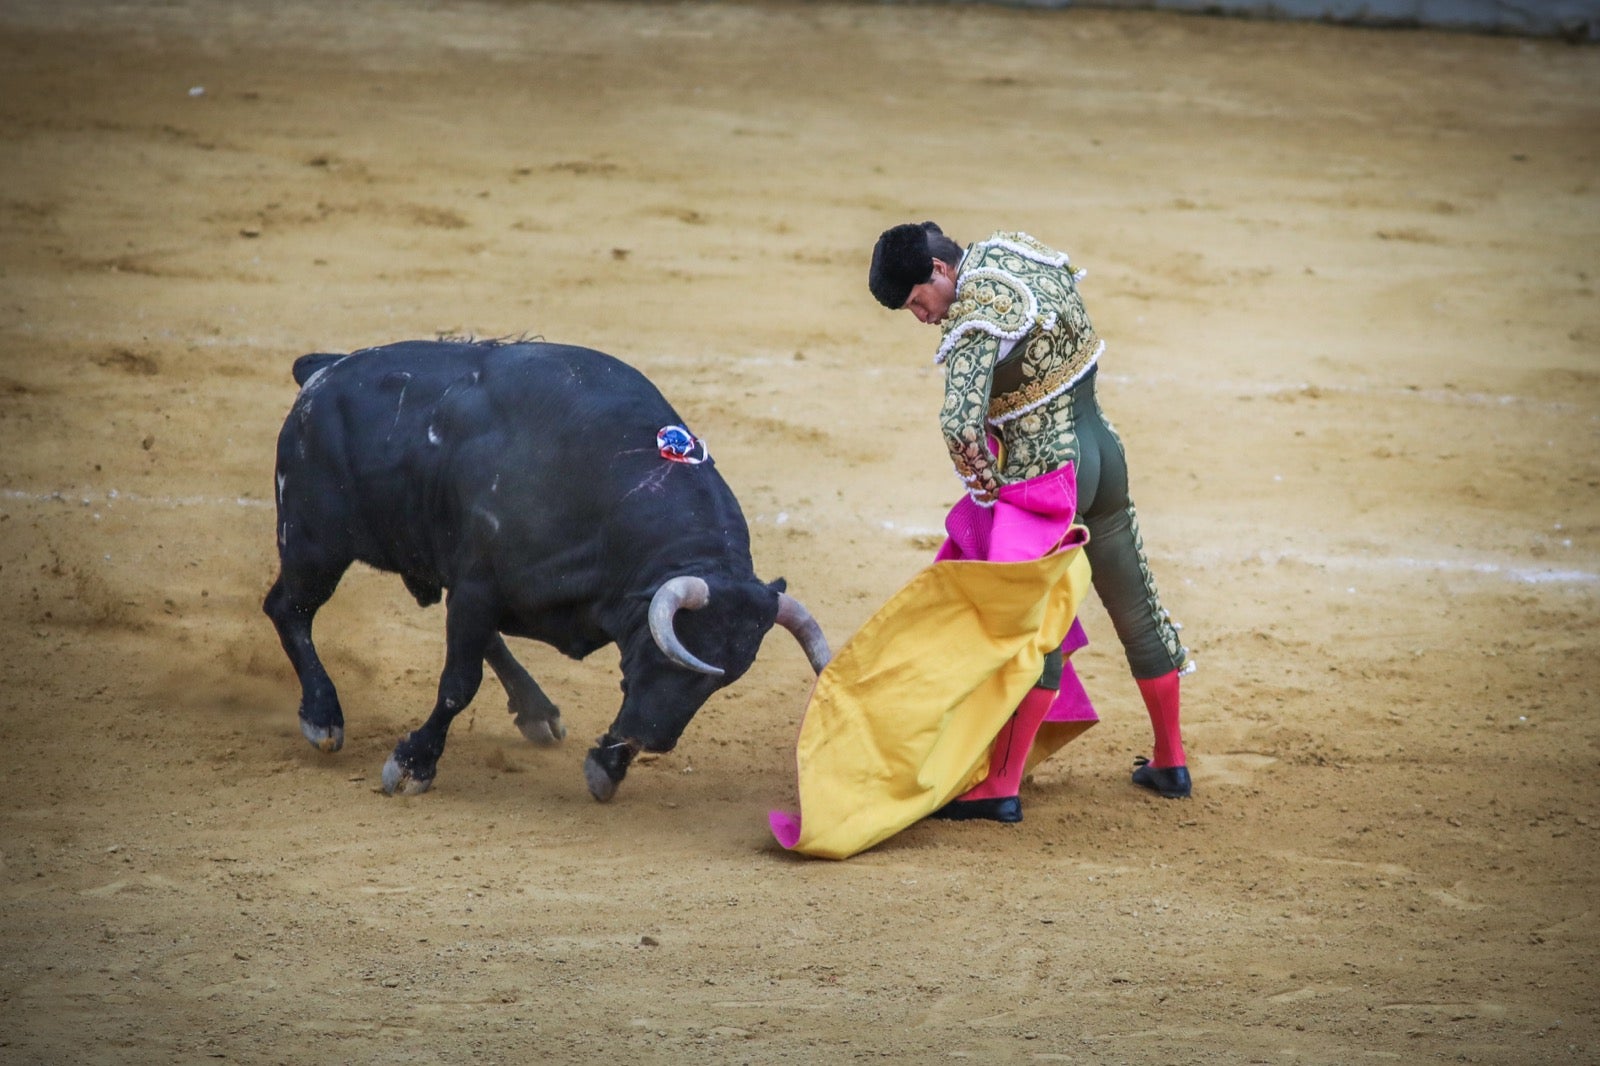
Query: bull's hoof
point(397, 779)
point(542, 731)
point(323, 738)
point(601, 785)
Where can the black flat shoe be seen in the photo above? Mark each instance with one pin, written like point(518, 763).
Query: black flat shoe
point(1171, 782)
point(999, 809)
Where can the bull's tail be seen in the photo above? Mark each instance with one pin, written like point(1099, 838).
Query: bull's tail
point(307, 365)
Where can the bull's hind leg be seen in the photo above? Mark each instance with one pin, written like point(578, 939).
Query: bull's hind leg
point(536, 716)
point(292, 603)
point(470, 616)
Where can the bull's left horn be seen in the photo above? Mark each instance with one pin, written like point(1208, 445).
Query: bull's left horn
point(672, 596)
point(793, 616)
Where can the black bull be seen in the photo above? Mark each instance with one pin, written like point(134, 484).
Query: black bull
point(525, 481)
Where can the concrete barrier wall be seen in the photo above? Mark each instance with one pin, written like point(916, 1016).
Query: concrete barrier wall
point(1575, 20)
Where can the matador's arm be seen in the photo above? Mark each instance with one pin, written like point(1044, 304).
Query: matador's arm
point(991, 312)
point(969, 375)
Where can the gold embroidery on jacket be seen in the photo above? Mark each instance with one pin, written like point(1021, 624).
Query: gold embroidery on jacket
point(1004, 407)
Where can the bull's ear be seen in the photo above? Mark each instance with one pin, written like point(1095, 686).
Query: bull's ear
point(779, 585)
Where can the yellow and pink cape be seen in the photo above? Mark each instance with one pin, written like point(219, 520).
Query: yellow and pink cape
point(901, 720)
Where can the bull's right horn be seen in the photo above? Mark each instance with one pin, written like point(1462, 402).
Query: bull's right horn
point(673, 595)
point(793, 616)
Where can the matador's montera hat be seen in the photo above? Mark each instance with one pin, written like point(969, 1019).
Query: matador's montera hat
point(900, 262)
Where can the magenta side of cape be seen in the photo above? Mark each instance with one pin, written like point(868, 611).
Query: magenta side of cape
point(1030, 519)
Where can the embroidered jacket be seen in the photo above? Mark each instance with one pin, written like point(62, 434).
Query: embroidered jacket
point(1015, 341)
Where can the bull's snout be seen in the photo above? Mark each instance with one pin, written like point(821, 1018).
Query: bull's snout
point(607, 764)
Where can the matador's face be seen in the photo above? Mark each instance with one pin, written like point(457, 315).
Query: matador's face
point(931, 300)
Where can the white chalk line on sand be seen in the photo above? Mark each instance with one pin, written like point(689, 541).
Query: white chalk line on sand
point(84, 498)
point(1530, 575)
point(1313, 388)
point(1354, 561)
point(1237, 387)
point(1363, 561)
point(1242, 387)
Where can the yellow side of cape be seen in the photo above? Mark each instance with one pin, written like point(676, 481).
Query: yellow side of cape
point(902, 719)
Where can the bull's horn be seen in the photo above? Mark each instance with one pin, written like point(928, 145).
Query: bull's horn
point(673, 595)
point(793, 616)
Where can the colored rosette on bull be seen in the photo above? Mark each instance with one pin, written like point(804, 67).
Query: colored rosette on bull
point(676, 444)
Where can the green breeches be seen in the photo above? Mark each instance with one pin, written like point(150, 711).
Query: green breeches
point(1122, 578)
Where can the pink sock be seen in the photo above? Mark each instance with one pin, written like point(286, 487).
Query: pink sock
point(1009, 757)
point(1161, 700)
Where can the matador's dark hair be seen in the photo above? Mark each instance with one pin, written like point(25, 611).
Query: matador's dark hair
point(903, 259)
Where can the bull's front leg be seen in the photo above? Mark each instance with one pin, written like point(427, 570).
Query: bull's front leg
point(536, 716)
point(469, 626)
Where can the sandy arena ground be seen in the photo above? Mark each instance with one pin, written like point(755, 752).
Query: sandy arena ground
point(1347, 280)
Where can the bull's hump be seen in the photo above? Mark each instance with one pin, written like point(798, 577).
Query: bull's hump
point(436, 394)
point(570, 382)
